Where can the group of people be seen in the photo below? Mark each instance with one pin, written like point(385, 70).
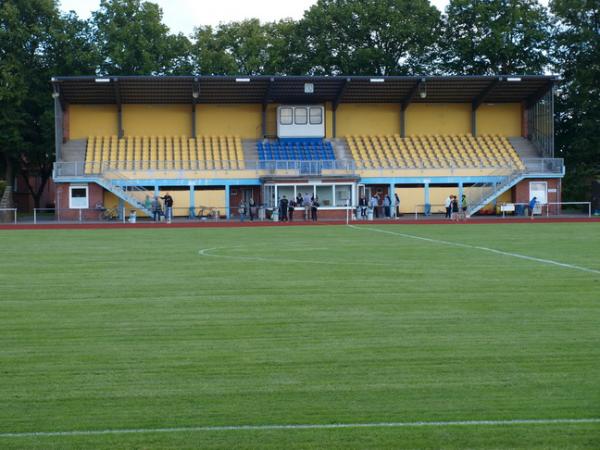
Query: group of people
point(155, 206)
point(250, 209)
point(454, 210)
point(380, 208)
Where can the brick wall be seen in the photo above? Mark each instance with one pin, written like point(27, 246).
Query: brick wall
point(95, 195)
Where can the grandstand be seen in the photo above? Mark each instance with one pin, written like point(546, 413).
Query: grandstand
point(213, 141)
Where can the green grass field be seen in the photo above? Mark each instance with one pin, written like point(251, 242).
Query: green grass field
point(151, 329)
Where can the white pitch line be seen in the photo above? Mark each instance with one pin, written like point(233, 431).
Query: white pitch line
point(302, 427)
point(486, 249)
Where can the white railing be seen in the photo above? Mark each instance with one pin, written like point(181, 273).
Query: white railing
point(7, 212)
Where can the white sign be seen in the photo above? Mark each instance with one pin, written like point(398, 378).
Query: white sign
point(509, 207)
point(553, 191)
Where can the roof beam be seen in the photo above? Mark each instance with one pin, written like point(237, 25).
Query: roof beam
point(477, 102)
point(340, 93)
point(411, 94)
point(267, 96)
point(539, 94)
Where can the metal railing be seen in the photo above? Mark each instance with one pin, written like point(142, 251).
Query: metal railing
point(6, 213)
point(153, 169)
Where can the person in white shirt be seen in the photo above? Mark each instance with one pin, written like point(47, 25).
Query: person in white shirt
point(448, 205)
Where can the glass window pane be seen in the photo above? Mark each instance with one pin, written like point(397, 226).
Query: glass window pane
point(285, 116)
point(316, 116)
point(343, 195)
point(78, 192)
point(301, 118)
point(325, 195)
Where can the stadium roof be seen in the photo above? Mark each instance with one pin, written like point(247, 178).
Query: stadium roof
point(301, 89)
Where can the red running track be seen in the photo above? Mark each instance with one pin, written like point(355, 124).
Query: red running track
point(248, 224)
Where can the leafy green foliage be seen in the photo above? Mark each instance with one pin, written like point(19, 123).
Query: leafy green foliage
point(490, 37)
point(372, 37)
point(577, 57)
point(133, 40)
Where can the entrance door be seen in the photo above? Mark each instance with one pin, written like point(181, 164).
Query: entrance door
point(538, 189)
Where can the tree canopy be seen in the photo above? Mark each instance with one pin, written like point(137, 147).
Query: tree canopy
point(355, 37)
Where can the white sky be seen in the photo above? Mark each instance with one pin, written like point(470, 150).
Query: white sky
point(184, 15)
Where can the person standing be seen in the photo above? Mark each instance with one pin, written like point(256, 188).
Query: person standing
point(375, 205)
point(397, 203)
point(454, 215)
point(168, 207)
point(242, 210)
point(283, 209)
point(155, 209)
point(313, 208)
point(464, 205)
point(252, 208)
point(448, 206)
point(532, 204)
point(387, 203)
point(362, 204)
point(306, 201)
point(291, 207)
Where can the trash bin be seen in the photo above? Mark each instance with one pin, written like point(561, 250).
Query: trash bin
point(519, 210)
point(275, 215)
point(370, 214)
point(427, 209)
point(133, 216)
point(262, 213)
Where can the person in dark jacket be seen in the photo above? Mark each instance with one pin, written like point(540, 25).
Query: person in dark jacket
point(313, 208)
point(363, 205)
point(283, 209)
point(168, 207)
point(291, 207)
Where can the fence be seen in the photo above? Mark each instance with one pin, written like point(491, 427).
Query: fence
point(8, 215)
point(550, 209)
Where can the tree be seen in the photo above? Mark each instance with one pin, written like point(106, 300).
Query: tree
point(577, 57)
point(247, 47)
point(488, 37)
point(133, 40)
point(369, 37)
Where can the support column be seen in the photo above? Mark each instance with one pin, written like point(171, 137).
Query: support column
point(227, 212)
point(192, 201)
point(474, 121)
point(402, 121)
point(58, 127)
point(264, 120)
point(334, 123)
point(391, 192)
point(427, 207)
point(121, 209)
point(156, 190)
point(194, 120)
point(120, 121)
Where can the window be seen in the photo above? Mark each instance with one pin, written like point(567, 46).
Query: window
point(316, 116)
point(325, 194)
point(286, 116)
point(343, 195)
point(301, 118)
point(78, 197)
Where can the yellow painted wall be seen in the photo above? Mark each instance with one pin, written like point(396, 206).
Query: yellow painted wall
point(367, 118)
point(157, 120)
point(229, 120)
point(214, 198)
point(499, 118)
point(92, 120)
point(409, 198)
point(438, 118)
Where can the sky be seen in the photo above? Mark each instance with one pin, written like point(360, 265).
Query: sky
point(183, 15)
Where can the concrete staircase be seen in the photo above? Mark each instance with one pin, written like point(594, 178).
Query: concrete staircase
point(525, 149)
point(73, 151)
point(249, 149)
point(340, 149)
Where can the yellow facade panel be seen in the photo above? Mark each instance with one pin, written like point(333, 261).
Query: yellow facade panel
point(434, 118)
point(92, 120)
point(500, 118)
point(367, 119)
point(153, 120)
point(222, 120)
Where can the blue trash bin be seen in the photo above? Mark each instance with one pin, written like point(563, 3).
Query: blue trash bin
point(427, 209)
